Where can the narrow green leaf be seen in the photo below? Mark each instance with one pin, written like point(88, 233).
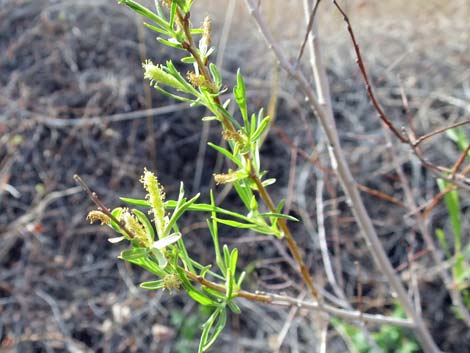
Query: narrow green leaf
point(216, 76)
point(442, 240)
point(197, 31)
point(142, 10)
point(136, 202)
point(459, 268)
point(229, 284)
point(253, 204)
point(255, 223)
point(231, 269)
point(152, 285)
point(214, 293)
point(149, 265)
point(233, 261)
point(169, 43)
point(226, 257)
point(280, 215)
point(168, 240)
point(210, 118)
point(459, 137)
point(453, 207)
point(268, 182)
point(205, 270)
point(200, 298)
point(193, 292)
point(244, 193)
point(213, 228)
point(183, 252)
point(179, 211)
point(253, 124)
point(256, 158)
point(156, 29)
point(217, 330)
point(261, 128)
point(172, 13)
point(236, 224)
point(188, 60)
point(199, 207)
point(199, 266)
point(226, 153)
point(209, 52)
point(239, 92)
point(206, 327)
point(160, 256)
point(241, 279)
point(234, 307)
point(133, 254)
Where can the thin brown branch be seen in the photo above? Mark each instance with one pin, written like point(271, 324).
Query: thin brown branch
point(412, 257)
point(96, 200)
point(362, 68)
point(460, 161)
point(348, 183)
point(441, 172)
point(428, 206)
point(283, 300)
point(308, 30)
point(380, 195)
point(439, 131)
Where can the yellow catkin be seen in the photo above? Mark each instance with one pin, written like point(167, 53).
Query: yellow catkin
point(233, 136)
point(172, 282)
point(225, 178)
point(196, 80)
point(156, 198)
point(167, 3)
point(157, 75)
point(96, 215)
point(200, 81)
point(136, 228)
point(206, 34)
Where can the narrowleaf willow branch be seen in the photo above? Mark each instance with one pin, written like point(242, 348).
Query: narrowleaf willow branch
point(262, 297)
point(291, 243)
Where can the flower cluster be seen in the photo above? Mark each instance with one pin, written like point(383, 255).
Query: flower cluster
point(156, 198)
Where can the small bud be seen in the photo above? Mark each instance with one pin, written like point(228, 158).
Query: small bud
point(205, 41)
point(156, 74)
point(196, 80)
point(200, 81)
point(226, 178)
point(235, 136)
point(172, 282)
point(96, 215)
point(166, 3)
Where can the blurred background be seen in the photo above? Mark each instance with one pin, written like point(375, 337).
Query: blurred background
point(73, 101)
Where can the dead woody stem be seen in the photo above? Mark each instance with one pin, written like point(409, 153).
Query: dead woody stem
point(348, 183)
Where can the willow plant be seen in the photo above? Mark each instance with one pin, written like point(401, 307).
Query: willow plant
point(158, 245)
